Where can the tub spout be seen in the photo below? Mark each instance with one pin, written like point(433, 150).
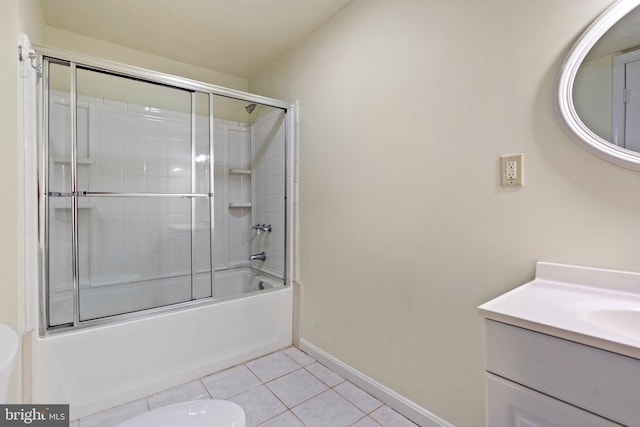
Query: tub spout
point(258, 257)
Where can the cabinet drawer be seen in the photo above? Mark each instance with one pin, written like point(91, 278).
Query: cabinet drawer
point(510, 404)
point(598, 381)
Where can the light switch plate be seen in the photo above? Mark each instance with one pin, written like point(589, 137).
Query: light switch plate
point(512, 170)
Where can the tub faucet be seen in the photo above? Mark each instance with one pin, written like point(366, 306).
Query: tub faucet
point(262, 228)
point(258, 257)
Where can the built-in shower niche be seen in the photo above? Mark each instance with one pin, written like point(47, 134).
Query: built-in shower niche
point(137, 251)
point(235, 171)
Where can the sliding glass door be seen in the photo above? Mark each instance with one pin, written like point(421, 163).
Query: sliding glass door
point(129, 194)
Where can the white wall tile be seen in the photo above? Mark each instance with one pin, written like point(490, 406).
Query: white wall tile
point(137, 153)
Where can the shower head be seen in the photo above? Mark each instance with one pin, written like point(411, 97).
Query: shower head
point(250, 108)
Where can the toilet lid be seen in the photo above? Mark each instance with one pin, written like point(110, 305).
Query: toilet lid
point(196, 413)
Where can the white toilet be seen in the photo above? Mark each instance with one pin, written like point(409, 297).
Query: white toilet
point(196, 413)
point(9, 345)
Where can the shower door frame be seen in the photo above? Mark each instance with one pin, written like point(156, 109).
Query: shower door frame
point(46, 54)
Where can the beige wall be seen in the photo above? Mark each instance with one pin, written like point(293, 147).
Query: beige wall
point(15, 16)
point(8, 164)
point(405, 108)
point(78, 43)
point(31, 20)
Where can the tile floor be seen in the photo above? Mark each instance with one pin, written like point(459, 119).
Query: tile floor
point(287, 388)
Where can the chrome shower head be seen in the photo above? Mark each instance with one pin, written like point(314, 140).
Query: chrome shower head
point(250, 108)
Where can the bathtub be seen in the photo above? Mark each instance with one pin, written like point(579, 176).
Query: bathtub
point(134, 293)
point(243, 281)
point(98, 368)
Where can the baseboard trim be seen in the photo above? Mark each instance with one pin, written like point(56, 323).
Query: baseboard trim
point(406, 407)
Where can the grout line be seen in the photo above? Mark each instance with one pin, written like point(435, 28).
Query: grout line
point(205, 388)
point(320, 379)
point(298, 418)
point(366, 416)
point(275, 416)
point(288, 408)
point(349, 400)
point(262, 383)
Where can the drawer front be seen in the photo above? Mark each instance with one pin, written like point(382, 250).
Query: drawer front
point(511, 405)
point(598, 381)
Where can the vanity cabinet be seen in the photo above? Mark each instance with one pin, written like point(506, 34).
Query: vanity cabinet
point(563, 350)
point(512, 405)
point(538, 380)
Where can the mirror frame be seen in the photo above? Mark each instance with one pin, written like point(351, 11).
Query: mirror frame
point(585, 136)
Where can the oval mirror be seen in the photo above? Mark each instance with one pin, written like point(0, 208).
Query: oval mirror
point(599, 91)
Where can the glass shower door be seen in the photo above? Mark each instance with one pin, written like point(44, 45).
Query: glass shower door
point(134, 176)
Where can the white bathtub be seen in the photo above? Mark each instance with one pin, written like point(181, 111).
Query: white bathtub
point(98, 368)
point(134, 294)
point(242, 281)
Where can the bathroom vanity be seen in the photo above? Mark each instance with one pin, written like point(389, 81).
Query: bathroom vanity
point(564, 350)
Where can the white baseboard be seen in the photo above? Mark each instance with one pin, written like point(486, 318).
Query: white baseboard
point(406, 407)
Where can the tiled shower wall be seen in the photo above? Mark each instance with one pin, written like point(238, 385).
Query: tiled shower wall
point(131, 148)
point(235, 252)
point(269, 178)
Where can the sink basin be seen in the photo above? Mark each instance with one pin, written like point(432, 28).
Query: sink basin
point(623, 322)
point(596, 307)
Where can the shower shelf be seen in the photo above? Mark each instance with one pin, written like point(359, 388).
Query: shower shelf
point(80, 160)
point(237, 171)
point(239, 205)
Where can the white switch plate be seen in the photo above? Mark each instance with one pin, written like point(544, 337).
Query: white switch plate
point(512, 170)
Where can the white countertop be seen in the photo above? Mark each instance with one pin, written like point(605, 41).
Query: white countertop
point(573, 303)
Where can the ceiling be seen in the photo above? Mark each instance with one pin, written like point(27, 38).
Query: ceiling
point(231, 36)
